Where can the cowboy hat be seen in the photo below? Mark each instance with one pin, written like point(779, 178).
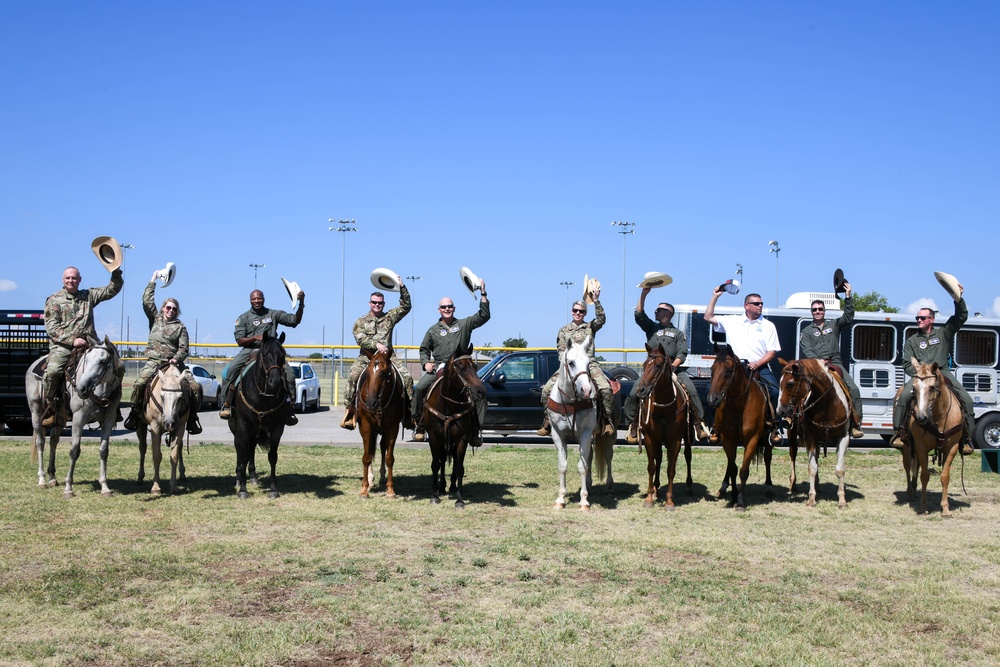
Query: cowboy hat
point(732, 286)
point(950, 284)
point(385, 279)
point(590, 285)
point(470, 279)
point(108, 251)
point(167, 274)
point(293, 290)
point(838, 281)
point(655, 279)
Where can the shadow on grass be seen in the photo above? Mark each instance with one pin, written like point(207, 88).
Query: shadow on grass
point(933, 501)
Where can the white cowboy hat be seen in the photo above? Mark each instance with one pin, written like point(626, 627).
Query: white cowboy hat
point(590, 285)
point(293, 290)
point(109, 251)
point(385, 279)
point(950, 284)
point(655, 279)
point(167, 274)
point(470, 279)
point(731, 286)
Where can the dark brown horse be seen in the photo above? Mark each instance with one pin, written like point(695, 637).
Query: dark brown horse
point(820, 409)
point(663, 422)
point(381, 404)
point(740, 405)
point(450, 419)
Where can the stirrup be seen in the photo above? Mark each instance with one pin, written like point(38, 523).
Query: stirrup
point(897, 441)
point(857, 432)
point(700, 432)
point(348, 421)
point(609, 430)
point(226, 411)
point(632, 437)
point(775, 438)
point(419, 436)
point(132, 421)
point(194, 426)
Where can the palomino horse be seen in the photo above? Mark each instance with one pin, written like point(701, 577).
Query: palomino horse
point(165, 418)
point(573, 416)
point(381, 405)
point(94, 393)
point(450, 419)
point(821, 410)
point(740, 404)
point(663, 421)
point(257, 417)
point(935, 426)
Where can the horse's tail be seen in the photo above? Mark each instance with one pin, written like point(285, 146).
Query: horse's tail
point(600, 442)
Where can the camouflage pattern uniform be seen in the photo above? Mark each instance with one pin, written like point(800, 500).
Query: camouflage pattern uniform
point(577, 333)
point(168, 339)
point(440, 342)
point(68, 317)
point(372, 329)
point(823, 342)
point(674, 344)
point(255, 323)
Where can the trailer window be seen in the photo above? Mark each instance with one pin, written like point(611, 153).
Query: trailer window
point(873, 378)
point(873, 342)
point(976, 348)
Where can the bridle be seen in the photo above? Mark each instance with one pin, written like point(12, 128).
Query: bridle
point(466, 392)
point(804, 404)
point(394, 385)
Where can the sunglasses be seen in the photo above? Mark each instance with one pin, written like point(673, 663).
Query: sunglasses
point(451, 307)
point(818, 310)
point(377, 303)
point(921, 318)
point(170, 308)
point(577, 310)
point(755, 303)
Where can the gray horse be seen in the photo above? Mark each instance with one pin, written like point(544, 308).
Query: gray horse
point(95, 389)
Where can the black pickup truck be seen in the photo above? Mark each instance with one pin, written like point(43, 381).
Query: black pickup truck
point(514, 381)
point(22, 340)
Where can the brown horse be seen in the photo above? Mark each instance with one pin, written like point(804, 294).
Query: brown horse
point(450, 418)
point(663, 421)
point(935, 426)
point(740, 405)
point(821, 411)
point(381, 404)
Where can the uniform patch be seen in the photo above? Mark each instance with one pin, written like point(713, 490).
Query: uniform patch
point(256, 323)
point(817, 333)
point(922, 345)
point(453, 329)
point(934, 341)
point(827, 331)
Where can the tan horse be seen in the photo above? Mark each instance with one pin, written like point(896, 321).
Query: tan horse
point(165, 417)
point(935, 426)
point(821, 412)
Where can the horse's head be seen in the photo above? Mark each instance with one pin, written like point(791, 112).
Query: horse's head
point(725, 369)
point(927, 383)
point(95, 366)
point(576, 367)
point(173, 403)
point(794, 387)
point(656, 367)
point(378, 375)
point(462, 369)
point(271, 362)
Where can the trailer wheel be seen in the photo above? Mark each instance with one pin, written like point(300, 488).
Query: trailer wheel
point(20, 427)
point(623, 373)
point(988, 431)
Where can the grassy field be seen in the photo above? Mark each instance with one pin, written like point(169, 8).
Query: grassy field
point(320, 577)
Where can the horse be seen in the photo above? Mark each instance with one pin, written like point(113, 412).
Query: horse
point(165, 418)
point(450, 418)
point(740, 404)
point(95, 390)
point(572, 412)
point(381, 406)
point(935, 426)
point(257, 418)
point(813, 398)
point(664, 420)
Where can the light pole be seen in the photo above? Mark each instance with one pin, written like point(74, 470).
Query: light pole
point(567, 284)
point(624, 228)
point(775, 248)
point(342, 226)
point(739, 273)
point(406, 357)
point(121, 322)
point(255, 267)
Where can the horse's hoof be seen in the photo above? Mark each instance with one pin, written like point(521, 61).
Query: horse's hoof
point(52, 483)
point(647, 504)
point(273, 494)
point(182, 479)
point(68, 494)
point(43, 485)
point(154, 492)
point(363, 496)
point(460, 504)
point(243, 495)
point(740, 508)
point(810, 503)
point(559, 506)
point(842, 505)
point(435, 501)
point(669, 508)
point(107, 494)
point(584, 508)
point(390, 496)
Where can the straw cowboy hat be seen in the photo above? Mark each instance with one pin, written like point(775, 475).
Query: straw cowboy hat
point(590, 285)
point(293, 290)
point(655, 279)
point(950, 284)
point(470, 279)
point(108, 251)
point(167, 274)
point(838, 281)
point(385, 279)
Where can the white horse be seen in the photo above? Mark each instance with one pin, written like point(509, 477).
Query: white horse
point(95, 390)
point(573, 414)
point(165, 417)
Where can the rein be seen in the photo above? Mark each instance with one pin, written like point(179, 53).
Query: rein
point(804, 405)
point(382, 402)
point(941, 437)
point(467, 401)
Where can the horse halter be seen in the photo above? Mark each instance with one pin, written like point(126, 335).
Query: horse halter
point(393, 384)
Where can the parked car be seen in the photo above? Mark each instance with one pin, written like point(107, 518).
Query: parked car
point(307, 391)
point(210, 389)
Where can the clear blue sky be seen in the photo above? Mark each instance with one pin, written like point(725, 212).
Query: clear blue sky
point(503, 136)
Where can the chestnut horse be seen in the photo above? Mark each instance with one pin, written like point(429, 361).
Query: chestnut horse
point(450, 418)
point(820, 409)
point(740, 405)
point(381, 405)
point(663, 421)
point(935, 426)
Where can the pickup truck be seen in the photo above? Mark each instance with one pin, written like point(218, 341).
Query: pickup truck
point(22, 340)
point(514, 381)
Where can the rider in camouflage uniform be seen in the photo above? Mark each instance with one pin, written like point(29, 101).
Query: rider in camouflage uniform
point(373, 332)
point(249, 331)
point(168, 343)
point(69, 322)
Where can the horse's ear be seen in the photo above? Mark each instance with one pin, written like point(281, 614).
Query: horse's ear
point(367, 353)
point(782, 362)
point(913, 360)
point(281, 338)
point(934, 367)
point(649, 350)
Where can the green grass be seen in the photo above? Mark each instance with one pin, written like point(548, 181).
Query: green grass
point(320, 576)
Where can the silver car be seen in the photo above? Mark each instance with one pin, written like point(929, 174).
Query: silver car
point(307, 391)
point(211, 391)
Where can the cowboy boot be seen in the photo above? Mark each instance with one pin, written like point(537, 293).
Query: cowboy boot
point(775, 437)
point(348, 420)
point(546, 428)
point(897, 439)
point(132, 421)
point(419, 435)
point(632, 437)
point(290, 418)
point(856, 431)
point(967, 448)
point(477, 439)
point(701, 431)
point(227, 409)
point(50, 412)
point(193, 425)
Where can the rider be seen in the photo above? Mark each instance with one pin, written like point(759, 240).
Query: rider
point(931, 344)
point(69, 322)
point(752, 338)
point(662, 333)
point(440, 342)
point(578, 331)
point(168, 343)
point(821, 340)
point(249, 332)
point(373, 332)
